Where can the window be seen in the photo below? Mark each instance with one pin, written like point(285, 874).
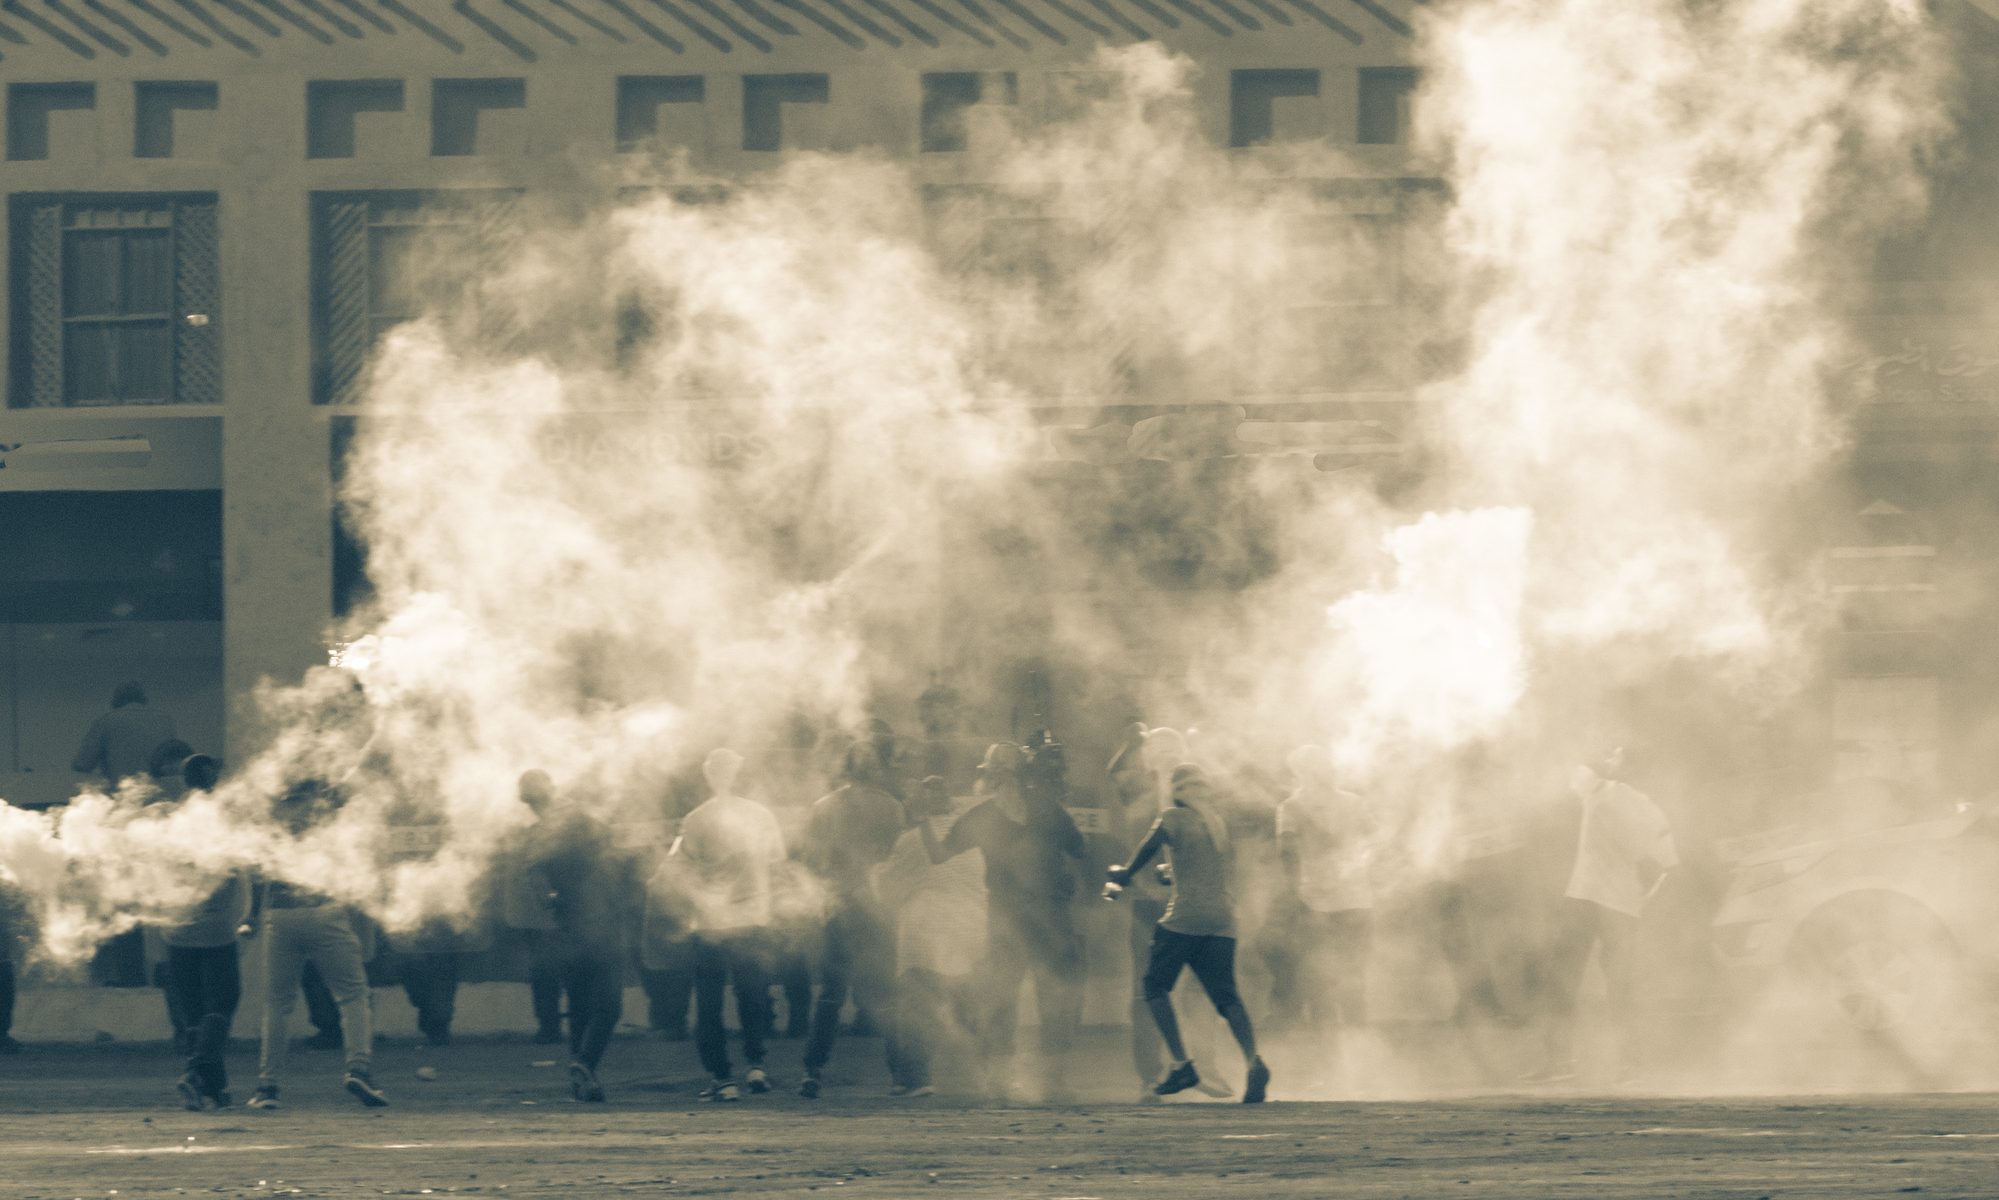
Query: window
point(383, 258)
point(765, 97)
point(642, 99)
point(116, 301)
point(1253, 104)
point(43, 116)
point(478, 116)
point(1384, 104)
point(175, 120)
point(948, 100)
point(334, 109)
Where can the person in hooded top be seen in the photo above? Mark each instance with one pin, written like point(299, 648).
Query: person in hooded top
point(1030, 847)
point(590, 899)
point(724, 867)
point(203, 974)
point(847, 834)
point(1198, 928)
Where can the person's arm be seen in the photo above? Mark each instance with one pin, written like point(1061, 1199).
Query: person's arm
point(963, 837)
point(90, 754)
point(254, 919)
point(1154, 839)
point(1067, 836)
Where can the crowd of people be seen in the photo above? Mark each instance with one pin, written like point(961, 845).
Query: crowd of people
point(928, 907)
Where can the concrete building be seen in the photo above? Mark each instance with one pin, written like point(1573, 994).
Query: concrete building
point(204, 198)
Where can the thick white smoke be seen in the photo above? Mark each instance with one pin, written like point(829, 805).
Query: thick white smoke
point(719, 464)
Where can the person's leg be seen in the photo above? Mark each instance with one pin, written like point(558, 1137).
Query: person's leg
point(284, 964)
point(749, 962)
point(1617, 943)
point(600, 1001)
point(1566, 961)
point(711, 977)
point(999, 995)
point(919, 1017)
point(181, 981)
point(336, 949)
point(545, 985)
point(676, 989)
point(836, 964)
point(1169, 951)
point(794, 972)
point(221, 992)
point(1213, 963)
point(182, 1019)
point(1058, 997)
point(1145, 1044)
point(320, 1007)
point(7, 1001)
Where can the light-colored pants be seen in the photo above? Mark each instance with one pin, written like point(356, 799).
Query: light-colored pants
point(324, 936)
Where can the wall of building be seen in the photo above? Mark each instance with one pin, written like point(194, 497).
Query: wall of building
point(249, 140)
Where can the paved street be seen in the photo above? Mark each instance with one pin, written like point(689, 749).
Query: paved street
point(98, 1121)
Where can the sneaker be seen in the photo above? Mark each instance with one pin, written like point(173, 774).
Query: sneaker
point(191, 1095)
point(1179, 1079)
point(363, 1088)
point(722, 1091)
point(584, 1084)
point(756, 1082)
point(265, 1098)
point(547, 1037)
point(221, 1099)
point(1259, 1082)
point(808, 1087)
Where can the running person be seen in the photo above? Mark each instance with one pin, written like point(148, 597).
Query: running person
point(848, 833)
point(1198, 929)
point(1029, 845)
point(589, 892)
point(721, 868)
point(299, 927)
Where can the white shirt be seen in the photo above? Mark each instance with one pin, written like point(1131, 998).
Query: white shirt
point(1329, 826)
point(731, 845)
point(1622, 828)
point(941, 907)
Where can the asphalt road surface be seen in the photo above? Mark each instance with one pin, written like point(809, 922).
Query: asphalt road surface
point(101, 1121)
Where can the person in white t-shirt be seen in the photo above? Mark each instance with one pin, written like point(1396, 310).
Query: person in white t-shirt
point(1623, 852)
point(723, 866)
point(1323, 834)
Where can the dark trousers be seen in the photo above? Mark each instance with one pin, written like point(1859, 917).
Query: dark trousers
point(205, 984)
point(595, 979)
point(320, 1006)
point(858, 957)
point(1047, 950)
point(670, 989)
point(430, 981)
point(931, 1011)
point(736, 959)
point(791, 974)
point(1211, 957)
point(1580, 928)
point(6, 996)
point(545, 979)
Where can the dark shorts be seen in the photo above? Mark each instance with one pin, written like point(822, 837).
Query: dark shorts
point(1211, 957)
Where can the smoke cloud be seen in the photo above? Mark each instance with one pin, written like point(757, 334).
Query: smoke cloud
point(729, 463)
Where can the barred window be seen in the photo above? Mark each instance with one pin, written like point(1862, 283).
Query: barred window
point(116, 301)
point(383, 258)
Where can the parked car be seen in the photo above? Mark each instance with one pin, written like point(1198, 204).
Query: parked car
point(1887, 927)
